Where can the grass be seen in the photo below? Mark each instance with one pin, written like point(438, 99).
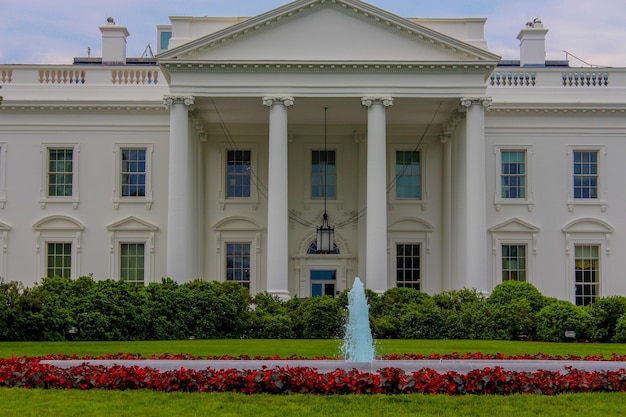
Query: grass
point(21, 402)
point(306, 348)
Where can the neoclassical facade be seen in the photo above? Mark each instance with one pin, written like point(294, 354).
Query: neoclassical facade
point(437, 165)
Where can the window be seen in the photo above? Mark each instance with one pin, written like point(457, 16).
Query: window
point(58, 246)
point(408, 266)
point(585, 174)
point(239, 167)
point(60, 172)
point(238, 263)
point(133, 172)
point(587, 273)
point(132, 250)
point(323, 174)
point(514, 263)
point(408, 175)
point(513, 165)
point(323, 282)
point(587, 169)
point(59, 260)
point(132, 262)
point(513, 177)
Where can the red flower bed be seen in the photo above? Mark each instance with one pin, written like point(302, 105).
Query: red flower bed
point(30, 373)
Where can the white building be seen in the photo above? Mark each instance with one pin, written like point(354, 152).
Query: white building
point(439, 165)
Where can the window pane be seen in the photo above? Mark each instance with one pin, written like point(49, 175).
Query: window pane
point(133, 172)
point(60, 166)
point(408, 176)
point(513, 262)
point(585, 179)
point(238, 172)
point(587, 275)
point(132, 262)
point(408, 271)
point(59, 260)
point(323, 174)
point(238, 263)
point(513, 174)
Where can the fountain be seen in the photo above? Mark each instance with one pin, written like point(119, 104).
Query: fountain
point(358, 345)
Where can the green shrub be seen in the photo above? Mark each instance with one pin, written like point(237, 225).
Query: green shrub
point(319, 318)
point(421, 321)
point(270, 319)
point(509, 292)
point(560, 316)
point(620, 330)
point(606, 311)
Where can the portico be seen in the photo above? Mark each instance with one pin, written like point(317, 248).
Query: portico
point(394, 94)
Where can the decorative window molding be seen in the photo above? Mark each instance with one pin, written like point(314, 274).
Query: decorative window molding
point(601, 192)
point(118, 198)
point(224, 199)
point(57, 229)
point(414, 231)
point(132, 230)
point(239, 230)
point(502, 200)
point(308, 166)
point(587, 231)
point(45, 197)
point(3, 174)
point(422, 201)
point(4, 246)
point(513, 232)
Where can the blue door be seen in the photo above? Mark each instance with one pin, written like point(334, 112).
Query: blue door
point(323, 282)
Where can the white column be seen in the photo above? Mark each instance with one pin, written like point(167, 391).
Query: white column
point(475, 219)
point(446, 215)
point(277, 198)
point(376, 269)
point(181, 213)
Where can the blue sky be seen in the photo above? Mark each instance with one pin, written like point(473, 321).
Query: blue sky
point(53, 32)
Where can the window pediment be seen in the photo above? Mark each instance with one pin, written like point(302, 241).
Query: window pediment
point(588, 225)
point(58, 222)
point(236, 223)
point(514, 225)
point(132, 223)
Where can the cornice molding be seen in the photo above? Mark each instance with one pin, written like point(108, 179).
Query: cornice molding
point(99, 108)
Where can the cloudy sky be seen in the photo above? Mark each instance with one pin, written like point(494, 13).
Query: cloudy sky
point(53, 32)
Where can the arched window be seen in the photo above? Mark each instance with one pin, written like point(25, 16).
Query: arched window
point(313, 249)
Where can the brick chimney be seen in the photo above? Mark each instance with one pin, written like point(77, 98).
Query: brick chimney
point(113, 43)
point(533, 44)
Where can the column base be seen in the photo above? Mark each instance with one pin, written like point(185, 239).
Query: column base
point(282, 294)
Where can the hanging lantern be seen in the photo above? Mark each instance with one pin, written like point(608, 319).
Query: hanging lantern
point(325, 232)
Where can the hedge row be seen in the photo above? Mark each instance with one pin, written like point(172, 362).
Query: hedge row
point(84, 309)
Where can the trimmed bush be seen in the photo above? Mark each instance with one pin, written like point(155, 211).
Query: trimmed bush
point(560, 316)
point(606, 312)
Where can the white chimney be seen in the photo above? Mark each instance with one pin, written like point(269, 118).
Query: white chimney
point(533, 44)
point(113, 43)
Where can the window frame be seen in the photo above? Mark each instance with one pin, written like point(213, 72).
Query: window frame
point(514, 232)
point(499, 200)
point(45, 199)
point(47, 255)
point(526, 261)
point(411, 230)
point(601, 199)
point(392, 194)
point(254, 169)
point(117, 190)
point(598, 272)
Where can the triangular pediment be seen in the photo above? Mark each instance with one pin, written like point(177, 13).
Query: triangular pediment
point(132, 223)
point(327, 31)
point(514, 225)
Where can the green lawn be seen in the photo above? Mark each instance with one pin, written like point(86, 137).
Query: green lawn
point(307, 348)
point(21, 402)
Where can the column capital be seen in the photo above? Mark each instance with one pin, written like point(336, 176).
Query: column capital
point(470, 101)
point(368, 101)
point(186, 100)
point(285, 101)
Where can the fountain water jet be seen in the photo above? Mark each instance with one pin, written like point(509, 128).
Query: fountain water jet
point(358, 345)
